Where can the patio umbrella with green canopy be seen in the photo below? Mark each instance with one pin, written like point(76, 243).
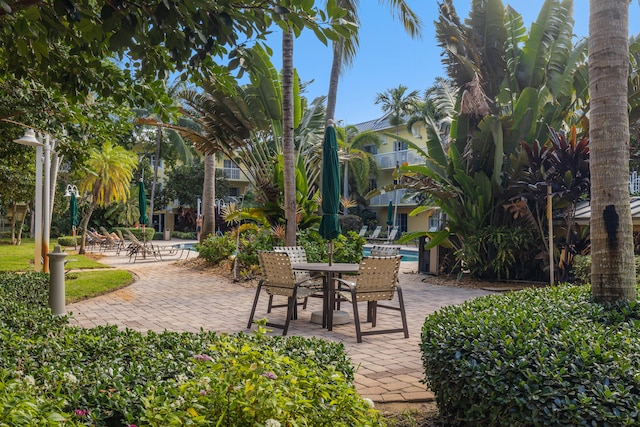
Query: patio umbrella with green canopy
point(330, 225)
point(389, 215)
point(142, 205)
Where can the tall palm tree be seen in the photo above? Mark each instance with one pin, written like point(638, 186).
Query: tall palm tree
point(345, 49)
point(612, 260)
point(287, 138)
point(108, 178)
point(398, 103)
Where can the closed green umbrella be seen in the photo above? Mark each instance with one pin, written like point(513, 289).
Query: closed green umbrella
point(142, 205)
point(330, 225)
point(390, 214)
point(73, 210)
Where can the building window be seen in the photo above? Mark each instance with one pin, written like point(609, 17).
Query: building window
point(400, 146)
point(403, 221)
point(234, 191)
point(370, 149)
point(231, 170)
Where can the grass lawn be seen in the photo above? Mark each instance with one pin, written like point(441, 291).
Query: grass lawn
point(79, 285)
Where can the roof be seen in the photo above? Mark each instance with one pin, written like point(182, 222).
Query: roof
point(376, 124)
point(583, 211)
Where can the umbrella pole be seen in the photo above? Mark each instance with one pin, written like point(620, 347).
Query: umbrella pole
point(330, 252)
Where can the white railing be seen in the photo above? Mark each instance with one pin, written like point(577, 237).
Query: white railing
point(397, 158)
point(634, 183)
point(384, 199)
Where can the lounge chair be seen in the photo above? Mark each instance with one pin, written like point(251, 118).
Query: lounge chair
point(376, 232)
point(278, 279)
point(113, 243)
point(377, 280)
point(148, 249)
point(390, 238)
point(363, 231)
point(378, 250)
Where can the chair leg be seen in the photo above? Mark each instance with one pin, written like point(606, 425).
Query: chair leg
point(270, 304)
point(373, 312)
point(255, 304)
point(403, 314)
point(290, 312)
point(356, 316)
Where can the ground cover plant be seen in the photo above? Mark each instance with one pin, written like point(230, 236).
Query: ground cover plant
point(55, 374)
point(547, 356)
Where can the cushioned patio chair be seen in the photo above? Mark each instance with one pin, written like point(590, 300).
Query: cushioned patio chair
point(377, 280)
point(279, 280)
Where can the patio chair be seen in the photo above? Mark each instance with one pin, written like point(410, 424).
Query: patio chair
point(363, 231)
point(298, 254)
point(98, 240)
point(376, 232)
point(278, 279)
point(379, 250)
point(393, 234)
point(377, 280)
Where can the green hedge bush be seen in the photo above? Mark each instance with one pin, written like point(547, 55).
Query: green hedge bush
point(104, 376)
point(535, 357)
point(69, 240)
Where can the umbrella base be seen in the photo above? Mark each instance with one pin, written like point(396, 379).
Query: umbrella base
point(339, 317)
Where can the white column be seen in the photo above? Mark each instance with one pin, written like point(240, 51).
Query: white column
point(37, 264)
point(46, 196)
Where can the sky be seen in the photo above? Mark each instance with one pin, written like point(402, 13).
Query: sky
point(388, 57)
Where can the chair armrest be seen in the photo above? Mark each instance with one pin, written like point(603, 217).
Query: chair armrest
point(340, 282)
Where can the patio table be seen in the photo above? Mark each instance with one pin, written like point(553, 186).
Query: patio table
point(329, 290)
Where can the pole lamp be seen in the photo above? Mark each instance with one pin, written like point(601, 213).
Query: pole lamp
point(72, 192)
point(43, 194)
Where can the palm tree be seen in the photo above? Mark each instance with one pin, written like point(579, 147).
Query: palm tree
point(288, 147)
point(108, 178)
point(612, 260)
point(398, 103)
point(361, 163)
point(344, 49)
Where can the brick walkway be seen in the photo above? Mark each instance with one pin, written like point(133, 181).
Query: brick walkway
point(166, 296)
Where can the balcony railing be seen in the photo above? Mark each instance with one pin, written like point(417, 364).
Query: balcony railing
point(384, 199)
point(397, 158)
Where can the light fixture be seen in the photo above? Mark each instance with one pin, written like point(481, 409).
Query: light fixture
point(71, 190)
point(29, 139)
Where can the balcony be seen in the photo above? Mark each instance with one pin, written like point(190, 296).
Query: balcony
point(384, 199)
point(397, 158)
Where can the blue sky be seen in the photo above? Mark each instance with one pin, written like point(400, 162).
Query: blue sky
point(388, 57)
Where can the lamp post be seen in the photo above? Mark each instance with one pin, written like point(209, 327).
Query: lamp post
point(72, 192)
point(43, 194)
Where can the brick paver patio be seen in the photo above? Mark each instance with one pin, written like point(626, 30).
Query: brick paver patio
point(167, 296)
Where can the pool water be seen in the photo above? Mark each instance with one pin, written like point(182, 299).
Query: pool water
point(407, 254)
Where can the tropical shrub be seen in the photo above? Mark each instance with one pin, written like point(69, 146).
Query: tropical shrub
point(345, 248)
point(548, 356)
point(107, 377)
point(215, 249)
point(499, 253)
point(350, 223)
point(68, 240)
point(245, 383)
point(187, 235)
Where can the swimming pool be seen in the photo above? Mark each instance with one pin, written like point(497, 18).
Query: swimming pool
point(407, 254)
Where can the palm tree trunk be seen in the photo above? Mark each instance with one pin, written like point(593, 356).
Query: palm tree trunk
point(345, 184)
point(208, 197)
point(612, 260)
point(83, 225)
point(287, 139)
point(336, 67)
